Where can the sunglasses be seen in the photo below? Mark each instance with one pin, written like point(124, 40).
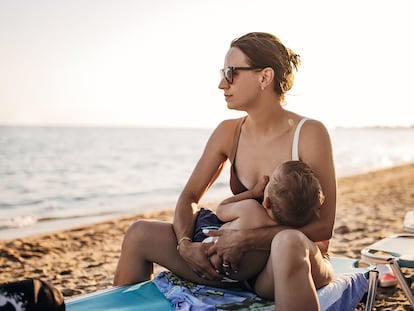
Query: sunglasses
point(228, 72)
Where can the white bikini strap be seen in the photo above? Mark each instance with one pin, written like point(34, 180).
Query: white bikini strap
point(295, 144)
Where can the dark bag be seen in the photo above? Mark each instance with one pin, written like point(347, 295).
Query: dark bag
point(30, 295)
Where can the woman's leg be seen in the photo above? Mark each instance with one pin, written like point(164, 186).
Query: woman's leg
point(139, 245)
point(148, 242)
point(294, 271)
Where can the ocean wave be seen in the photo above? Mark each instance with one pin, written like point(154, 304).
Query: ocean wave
point(27, 221)
point(98, 214)
point(20, 203)
point(17, 222)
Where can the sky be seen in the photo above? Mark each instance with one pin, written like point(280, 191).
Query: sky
point(156, 62)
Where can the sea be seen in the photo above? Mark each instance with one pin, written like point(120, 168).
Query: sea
point(54, 178)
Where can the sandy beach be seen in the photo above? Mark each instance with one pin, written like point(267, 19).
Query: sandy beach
point(370, 207)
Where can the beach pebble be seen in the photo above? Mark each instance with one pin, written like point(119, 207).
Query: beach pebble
point(344, 229)
point(67, 292)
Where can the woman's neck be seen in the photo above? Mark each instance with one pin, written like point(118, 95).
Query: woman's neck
point(270, 121)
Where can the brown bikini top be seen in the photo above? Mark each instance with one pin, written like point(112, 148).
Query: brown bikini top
point(236, 185)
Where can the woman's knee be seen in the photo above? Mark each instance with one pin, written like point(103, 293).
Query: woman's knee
point(289, 240)
point(137, 232)
point(148, 234)
point(292, 249)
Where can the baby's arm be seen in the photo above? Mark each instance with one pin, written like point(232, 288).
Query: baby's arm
point(244, 214)
point(255, 193)
point(229, 209)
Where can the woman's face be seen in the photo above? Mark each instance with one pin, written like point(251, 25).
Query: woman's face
point(246, 83)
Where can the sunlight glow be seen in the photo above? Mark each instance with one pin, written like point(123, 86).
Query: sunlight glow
point(156, 63)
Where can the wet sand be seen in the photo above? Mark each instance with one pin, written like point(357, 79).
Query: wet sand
point(370, 207)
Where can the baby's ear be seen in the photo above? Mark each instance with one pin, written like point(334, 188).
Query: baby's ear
point(266, 202)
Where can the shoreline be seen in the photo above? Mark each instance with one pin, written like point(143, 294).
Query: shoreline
point(52, 224)
point(63, 224)
point(80, 260)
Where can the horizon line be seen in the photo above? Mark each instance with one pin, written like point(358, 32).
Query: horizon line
point(169, 126)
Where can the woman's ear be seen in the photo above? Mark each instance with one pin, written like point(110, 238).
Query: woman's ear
point(267, 77)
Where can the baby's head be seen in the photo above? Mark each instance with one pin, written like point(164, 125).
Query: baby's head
point(293, 194)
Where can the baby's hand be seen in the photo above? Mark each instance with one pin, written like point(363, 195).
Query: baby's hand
point(258, 189)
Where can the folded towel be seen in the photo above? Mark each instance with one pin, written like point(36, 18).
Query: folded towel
point(343, 293)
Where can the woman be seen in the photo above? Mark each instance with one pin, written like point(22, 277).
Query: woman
point(258, 71)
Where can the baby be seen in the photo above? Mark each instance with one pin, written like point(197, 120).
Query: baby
point(292, 196)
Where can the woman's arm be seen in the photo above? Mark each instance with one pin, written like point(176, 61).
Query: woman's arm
point(203, 176)
point(206, 171)
point(315, 149)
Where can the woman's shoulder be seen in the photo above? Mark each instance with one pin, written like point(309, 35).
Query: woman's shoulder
point(224, 134)
point(313, 127)
point(314, 137)
point(234, 121)
point(229, 125)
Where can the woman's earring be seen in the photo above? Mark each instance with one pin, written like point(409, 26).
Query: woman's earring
point(262, 87)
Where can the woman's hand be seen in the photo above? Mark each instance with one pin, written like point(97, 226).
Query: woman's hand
point(195, 254)
point(228, 247)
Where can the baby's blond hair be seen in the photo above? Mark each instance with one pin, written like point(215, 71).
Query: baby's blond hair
point(295, 194)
